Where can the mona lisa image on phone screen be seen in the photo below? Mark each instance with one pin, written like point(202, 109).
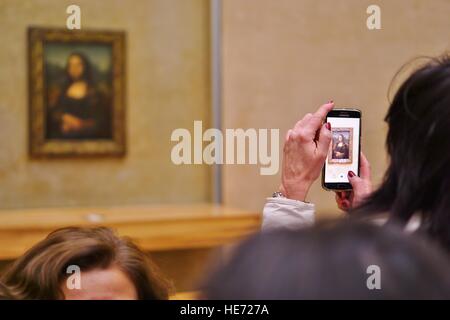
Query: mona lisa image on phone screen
point(343, 155)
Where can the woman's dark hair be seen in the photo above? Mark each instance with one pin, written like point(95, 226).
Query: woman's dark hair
point(41, 271)
point(417, 180)
point(333, 261)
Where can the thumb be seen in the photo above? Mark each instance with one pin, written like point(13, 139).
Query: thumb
point(356, 182)
point(323, 143)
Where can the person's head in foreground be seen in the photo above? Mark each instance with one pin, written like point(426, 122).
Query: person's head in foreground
point(111, 268)
point(333, 261)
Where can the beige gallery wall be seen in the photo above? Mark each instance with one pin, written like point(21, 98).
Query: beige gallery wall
point(284, 58)
point(167, 87)
point(281, 59)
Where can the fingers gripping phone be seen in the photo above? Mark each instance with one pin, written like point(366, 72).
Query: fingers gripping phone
point(343, 155)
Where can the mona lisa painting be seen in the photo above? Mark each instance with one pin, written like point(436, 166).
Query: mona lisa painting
point(76, 93)
point(341, 150)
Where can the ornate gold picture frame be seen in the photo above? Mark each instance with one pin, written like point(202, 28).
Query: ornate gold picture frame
point(76, 93)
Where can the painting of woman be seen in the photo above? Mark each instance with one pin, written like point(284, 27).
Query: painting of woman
point(77, 108)
point(340, 148)
point(77, 102)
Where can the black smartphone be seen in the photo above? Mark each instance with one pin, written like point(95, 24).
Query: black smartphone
point(344, 152)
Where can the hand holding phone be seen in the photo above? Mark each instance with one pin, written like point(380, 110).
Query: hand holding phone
point(304, 153)
point(344, 151)
point(362, 187)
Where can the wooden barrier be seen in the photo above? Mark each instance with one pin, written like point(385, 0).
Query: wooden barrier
point(153, 228)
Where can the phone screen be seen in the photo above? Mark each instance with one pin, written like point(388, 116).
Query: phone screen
point(343, 155)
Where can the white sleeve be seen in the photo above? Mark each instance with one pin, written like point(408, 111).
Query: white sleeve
point(287, 214)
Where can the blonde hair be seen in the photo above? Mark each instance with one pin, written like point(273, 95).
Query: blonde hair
point(39, 273)
point(5, 294)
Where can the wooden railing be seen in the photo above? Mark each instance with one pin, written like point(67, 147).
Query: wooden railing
point(153, 228)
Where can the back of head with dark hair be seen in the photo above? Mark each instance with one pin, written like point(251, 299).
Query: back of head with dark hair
point(418, 143)
point(39, 273)
point(331, 262)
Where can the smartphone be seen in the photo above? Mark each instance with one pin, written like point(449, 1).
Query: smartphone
point(343, 155)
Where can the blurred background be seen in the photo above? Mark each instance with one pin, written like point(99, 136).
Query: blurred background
point(278, 60)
